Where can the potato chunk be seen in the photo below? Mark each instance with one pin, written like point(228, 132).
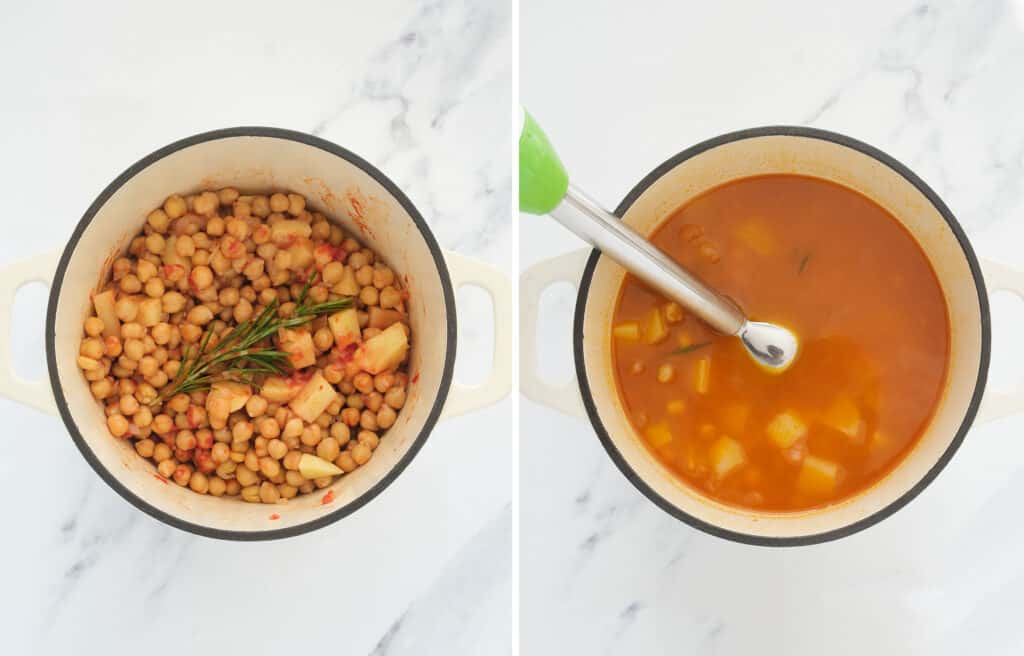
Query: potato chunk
point(658, 434)
point(314, 398)
point(844, 416)
point(786, 429)
point(384, 351)
point(285, 233)
point(628, 331)
point(237, 394)
point(344, 326)
point(311, 467)
point(104, 304)
point(298, 344)
point(818, 477)
point(726, 455)
point(278, 389)
point(655, 328)
point(347, 286)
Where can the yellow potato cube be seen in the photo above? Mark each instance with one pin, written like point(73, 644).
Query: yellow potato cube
point(703, 378)
point(786, 430)
point(818, 477)
point(344, 326)
point(104, 305)
point(277, 389)
point(655, 328)
point(844, 416)
point(298, 344)
point(384, 351)
point(314, 398)
point(628, 331)
point(237, 394)
point(726, 455)
point(658, 434)
point(311, 467)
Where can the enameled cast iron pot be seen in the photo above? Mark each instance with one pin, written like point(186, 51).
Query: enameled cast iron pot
point(707, 165)
point(351, 192)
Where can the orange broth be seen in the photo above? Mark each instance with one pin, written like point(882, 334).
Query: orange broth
point(856, 288)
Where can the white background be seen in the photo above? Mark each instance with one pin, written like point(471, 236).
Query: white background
point(422, 90)
point(620, 87)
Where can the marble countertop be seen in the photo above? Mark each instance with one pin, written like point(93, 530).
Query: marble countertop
point(419, 89)
point(936, 85)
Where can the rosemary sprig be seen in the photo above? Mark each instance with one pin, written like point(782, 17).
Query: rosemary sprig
point(242, 354)
point(688, 349)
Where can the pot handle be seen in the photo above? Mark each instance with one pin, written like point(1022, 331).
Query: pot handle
point(34, 393)
point(564, 268)
point(467, 398)
point(996, 405)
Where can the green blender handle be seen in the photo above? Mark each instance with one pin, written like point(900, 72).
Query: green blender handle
point(542, 178)
point(544, 189)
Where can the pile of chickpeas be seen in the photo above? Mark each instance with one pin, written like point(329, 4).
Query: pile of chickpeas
point(225, 269)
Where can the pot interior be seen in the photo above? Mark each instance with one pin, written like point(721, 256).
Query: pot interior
point(335, 184)
point(824, 158)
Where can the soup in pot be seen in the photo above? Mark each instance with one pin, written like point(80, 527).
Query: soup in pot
point(856, 288)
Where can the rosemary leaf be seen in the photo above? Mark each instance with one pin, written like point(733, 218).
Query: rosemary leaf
point(690, 348)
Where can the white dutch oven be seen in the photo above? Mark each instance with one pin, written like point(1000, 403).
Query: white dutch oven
point(352, 193)
point(755, 152)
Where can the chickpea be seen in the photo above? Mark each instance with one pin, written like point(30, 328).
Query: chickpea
point(242, 311)
point(269, 466)
point(143, 417)
point(383, 277)
point(227, 469)
point(101, 389)
point(227, 196)
point(269, 493)
point(277, 449)
point(368, 420)
point(94, 326)
point(356, 260)
point(220, 453)
point(112, 346)
point(256, 406)
point(361, 454)
point(155, 243)
point(206, 203)
point(333, 272)
point(341, 433)
point(350, 416)
point(323, 339)
point(364, 274)
point(92, 347)
point(386, 417)
point(395, 397)
point(199, 483)
point(355, 401)
point(126, 309)
point(134, 349)
point(269, 428)
point(363, 382)
point(311, 435)
point(328, 449)
point(175, 206)
point(217, 487)
point(173, 302)
point(200, 278)
point(246, 476)
point(161, 452)
point(374, 401)
point(158, 220)
point(251, 494)
point(182, 474)
point(167, 466)
point(145, 448)
point(345, 462)
point(390, 298)
point(228, 297)
point(185, 440)
point(233, 488)
point(296, 204)
point(163, 423)
point(278, 203)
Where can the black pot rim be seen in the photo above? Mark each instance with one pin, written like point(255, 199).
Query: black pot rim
point(947, 455)
point(449, 360)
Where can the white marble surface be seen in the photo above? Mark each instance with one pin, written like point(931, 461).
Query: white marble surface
point(619, 87)
point(423, 90)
